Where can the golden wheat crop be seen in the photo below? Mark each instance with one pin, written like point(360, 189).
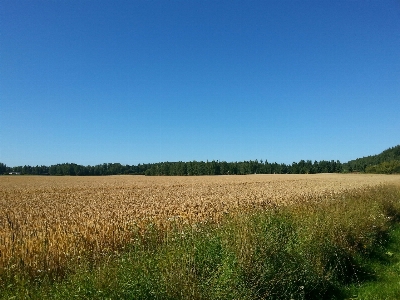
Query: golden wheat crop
point(48, 222)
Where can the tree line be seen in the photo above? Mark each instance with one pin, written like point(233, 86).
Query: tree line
point(180, 168)
point(73, 169)
point(387, 162)
point(242, 168)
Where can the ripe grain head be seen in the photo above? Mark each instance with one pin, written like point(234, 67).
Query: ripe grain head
point(48, 222)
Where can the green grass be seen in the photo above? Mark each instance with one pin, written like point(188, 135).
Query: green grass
point(332, 249)
point(386, 266)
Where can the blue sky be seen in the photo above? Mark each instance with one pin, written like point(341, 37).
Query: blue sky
point(148, 81)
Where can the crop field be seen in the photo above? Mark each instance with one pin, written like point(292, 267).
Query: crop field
point(48, 222)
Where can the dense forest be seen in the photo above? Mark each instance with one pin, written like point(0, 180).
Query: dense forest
point(387, 162)
point(180, 168)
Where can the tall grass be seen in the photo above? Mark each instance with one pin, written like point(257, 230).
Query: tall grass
point(304, 251)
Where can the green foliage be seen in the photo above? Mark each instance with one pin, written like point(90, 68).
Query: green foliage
point(182, 168)
point(376, 163)
point(3, 168)
point(242, 168)
point(386, 167)
point(388, 162)
point(386, 265)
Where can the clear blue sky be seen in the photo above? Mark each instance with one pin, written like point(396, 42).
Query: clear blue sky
point(147, 81)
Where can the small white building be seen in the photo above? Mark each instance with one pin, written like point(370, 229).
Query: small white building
point(14, 173)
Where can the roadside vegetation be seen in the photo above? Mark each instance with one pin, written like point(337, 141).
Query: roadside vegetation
point(325, 249)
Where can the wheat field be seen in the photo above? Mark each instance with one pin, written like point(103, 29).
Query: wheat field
point(49, 222)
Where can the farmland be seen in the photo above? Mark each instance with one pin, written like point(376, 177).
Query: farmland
point(47, 222)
